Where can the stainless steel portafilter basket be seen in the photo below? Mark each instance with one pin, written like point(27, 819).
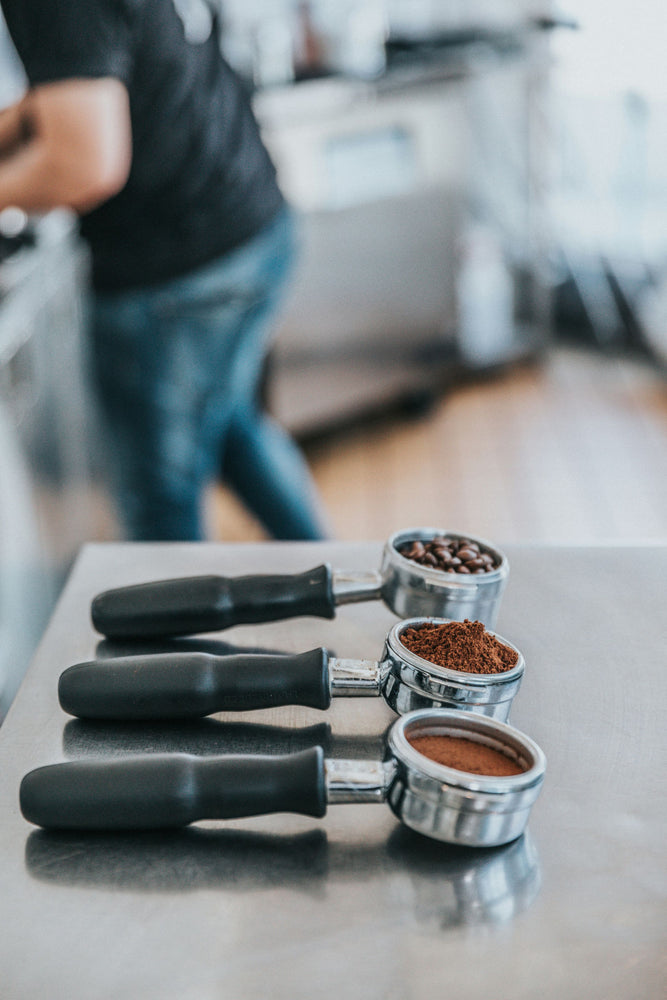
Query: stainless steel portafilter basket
point(191, 605)
point(410, 682)
point(412, 590)
point(186, 685)
point(456, 806)
point(174, 790)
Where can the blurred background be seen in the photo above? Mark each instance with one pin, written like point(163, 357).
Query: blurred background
point(476, 336)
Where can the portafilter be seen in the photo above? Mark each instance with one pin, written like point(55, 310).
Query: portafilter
point(192, 685)
point(174, 790)
point(191, 605)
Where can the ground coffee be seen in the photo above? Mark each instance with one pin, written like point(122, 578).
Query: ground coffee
point(451, 554)
point(462, 645)
point(465, 755)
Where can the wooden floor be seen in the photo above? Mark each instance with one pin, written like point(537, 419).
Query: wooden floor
point(570, 449)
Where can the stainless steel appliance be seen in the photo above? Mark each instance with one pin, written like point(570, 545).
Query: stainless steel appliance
point(45, 500)
point(423, 242)
point(376, 179)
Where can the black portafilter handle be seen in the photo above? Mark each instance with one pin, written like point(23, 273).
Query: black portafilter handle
point(189, 605)
point(172, 790)
point(193, 685)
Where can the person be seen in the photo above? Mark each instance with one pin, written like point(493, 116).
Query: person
point(133, 119)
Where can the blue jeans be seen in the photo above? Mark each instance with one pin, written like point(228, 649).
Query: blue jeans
point(177, 368)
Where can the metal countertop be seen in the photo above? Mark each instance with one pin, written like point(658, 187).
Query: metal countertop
point(354, 905)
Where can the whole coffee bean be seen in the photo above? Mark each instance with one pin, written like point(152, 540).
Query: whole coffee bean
point(466, 554)
point(455, 554)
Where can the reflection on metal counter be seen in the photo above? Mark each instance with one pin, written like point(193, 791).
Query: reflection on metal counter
point(443, 887)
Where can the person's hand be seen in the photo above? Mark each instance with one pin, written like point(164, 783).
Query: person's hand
point(15, 127)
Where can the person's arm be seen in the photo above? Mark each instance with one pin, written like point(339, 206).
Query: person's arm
point(67, 144)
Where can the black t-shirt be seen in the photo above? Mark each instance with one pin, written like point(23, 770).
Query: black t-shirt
point(201, 182)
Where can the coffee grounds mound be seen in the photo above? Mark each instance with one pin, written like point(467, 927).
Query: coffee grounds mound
point(465, 646)
point(465, 755)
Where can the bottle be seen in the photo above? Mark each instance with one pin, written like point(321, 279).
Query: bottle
point(485, 300)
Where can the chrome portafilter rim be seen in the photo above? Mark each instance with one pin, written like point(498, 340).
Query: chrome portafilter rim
point(478, 728)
